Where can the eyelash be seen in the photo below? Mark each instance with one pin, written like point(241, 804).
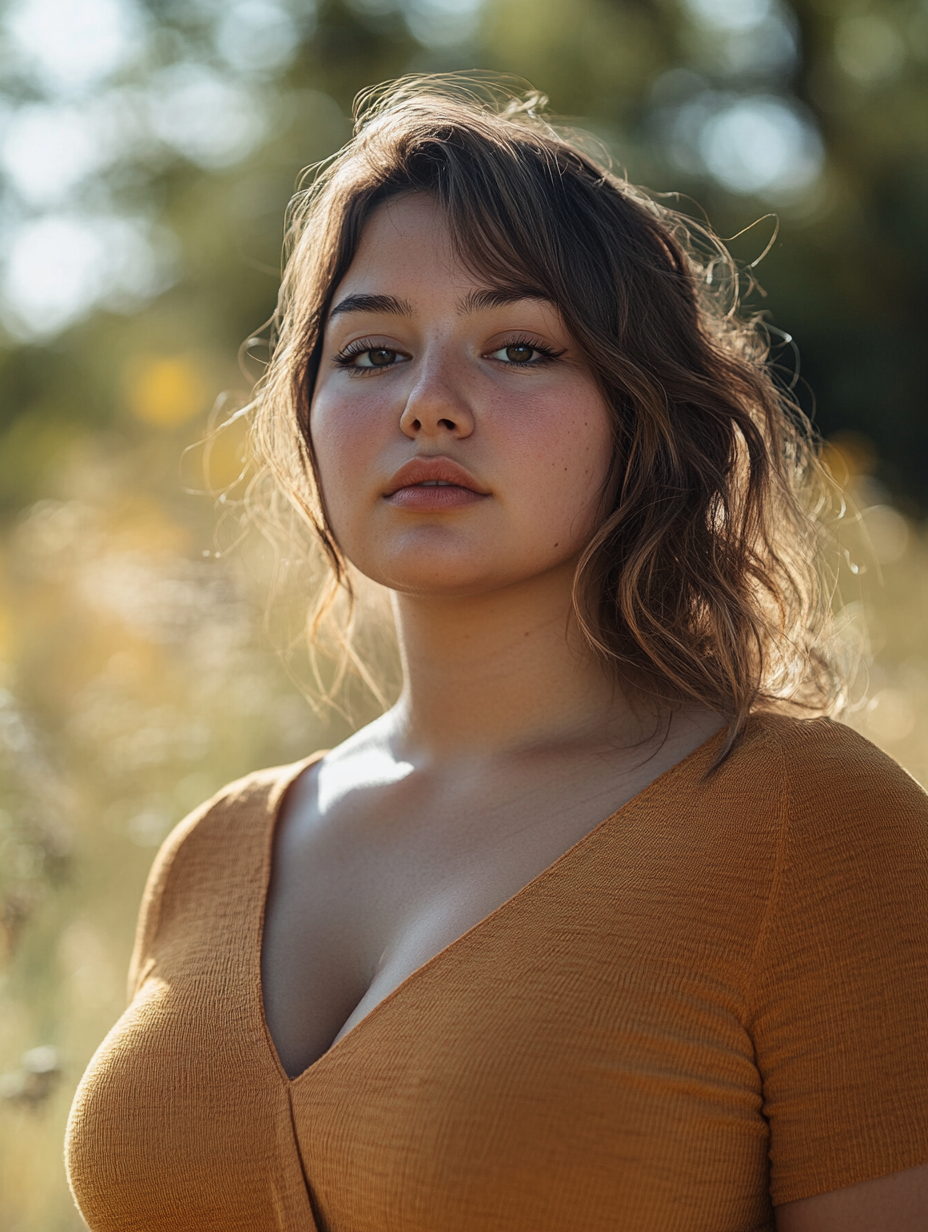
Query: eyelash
point(360, 347)
point(344, 359)
point(548, 354)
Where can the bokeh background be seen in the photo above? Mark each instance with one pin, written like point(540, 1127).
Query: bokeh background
point(147, 151)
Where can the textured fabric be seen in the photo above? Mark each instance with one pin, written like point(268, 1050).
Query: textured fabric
point(715, 1001)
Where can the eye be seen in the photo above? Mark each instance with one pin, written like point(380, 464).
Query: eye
point(360, 356)
point(521, 353)
point(376, 357)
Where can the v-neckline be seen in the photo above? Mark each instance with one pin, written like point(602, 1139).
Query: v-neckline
point(282, 790)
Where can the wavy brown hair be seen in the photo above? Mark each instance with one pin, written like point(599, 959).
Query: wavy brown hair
point(702, 583)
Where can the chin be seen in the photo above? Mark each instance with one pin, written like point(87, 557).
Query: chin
point(426, 560)
point(438, 579)
point(448, 575)
point(442, 562)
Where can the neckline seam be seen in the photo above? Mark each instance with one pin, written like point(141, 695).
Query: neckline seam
point(275, 808)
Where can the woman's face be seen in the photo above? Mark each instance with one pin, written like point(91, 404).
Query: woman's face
point(462, 443)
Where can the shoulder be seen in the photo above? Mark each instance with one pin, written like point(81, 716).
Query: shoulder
point(820, 741)
point(826, 768)
point(240, 811)
point(851, 874)
point(839, 989)
point(210, 852)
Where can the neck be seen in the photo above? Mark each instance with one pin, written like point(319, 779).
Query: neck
point(500, 671)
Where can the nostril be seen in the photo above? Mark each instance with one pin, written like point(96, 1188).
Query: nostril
point(446, 423)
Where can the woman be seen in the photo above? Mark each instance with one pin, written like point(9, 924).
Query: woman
point(418, 982)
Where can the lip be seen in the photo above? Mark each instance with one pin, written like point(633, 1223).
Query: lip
point(433, 483)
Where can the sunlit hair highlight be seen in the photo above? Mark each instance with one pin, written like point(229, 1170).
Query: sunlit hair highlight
point(702, 583)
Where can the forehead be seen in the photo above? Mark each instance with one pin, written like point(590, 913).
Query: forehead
point(406, 238)
point(407, 259)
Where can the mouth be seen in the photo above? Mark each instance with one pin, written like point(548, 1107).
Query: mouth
point(428, 485)
point(433, 473)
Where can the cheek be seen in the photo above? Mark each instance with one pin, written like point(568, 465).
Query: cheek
point(569, 458)
point(342, 437)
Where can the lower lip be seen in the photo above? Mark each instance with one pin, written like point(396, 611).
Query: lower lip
point(424, 499)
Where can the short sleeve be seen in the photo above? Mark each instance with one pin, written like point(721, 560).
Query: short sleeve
point(254, 794)
point(150, 909)
point(840, 1016)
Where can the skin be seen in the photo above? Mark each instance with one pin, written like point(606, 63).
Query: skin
point(508, 743)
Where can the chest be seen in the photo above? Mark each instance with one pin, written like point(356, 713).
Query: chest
point(579, 1052)
point(369, 890)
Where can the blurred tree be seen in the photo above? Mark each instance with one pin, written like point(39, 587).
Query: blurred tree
point(196, 130)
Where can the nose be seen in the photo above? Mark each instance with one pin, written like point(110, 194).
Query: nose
point(437, 404)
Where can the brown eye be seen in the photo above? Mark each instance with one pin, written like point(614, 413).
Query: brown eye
point(362, 358)
point(523, 354)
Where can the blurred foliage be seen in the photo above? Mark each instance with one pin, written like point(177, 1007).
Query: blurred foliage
point(661, 80)
point(134, 674)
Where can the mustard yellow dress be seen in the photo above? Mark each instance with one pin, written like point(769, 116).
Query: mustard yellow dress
point(715, 1001)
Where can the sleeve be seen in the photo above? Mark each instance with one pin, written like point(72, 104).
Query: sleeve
point(840, 1015)
point(261, 790)
point(147, 928)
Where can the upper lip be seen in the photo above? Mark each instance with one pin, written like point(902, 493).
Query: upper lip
point(433, 470)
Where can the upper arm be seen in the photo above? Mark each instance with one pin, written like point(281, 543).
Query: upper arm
point(894, 1203)
point(840, 1019)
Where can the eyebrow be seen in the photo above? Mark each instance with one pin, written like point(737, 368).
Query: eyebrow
point(388, 304)
point(488, 297)
point(500, 297)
